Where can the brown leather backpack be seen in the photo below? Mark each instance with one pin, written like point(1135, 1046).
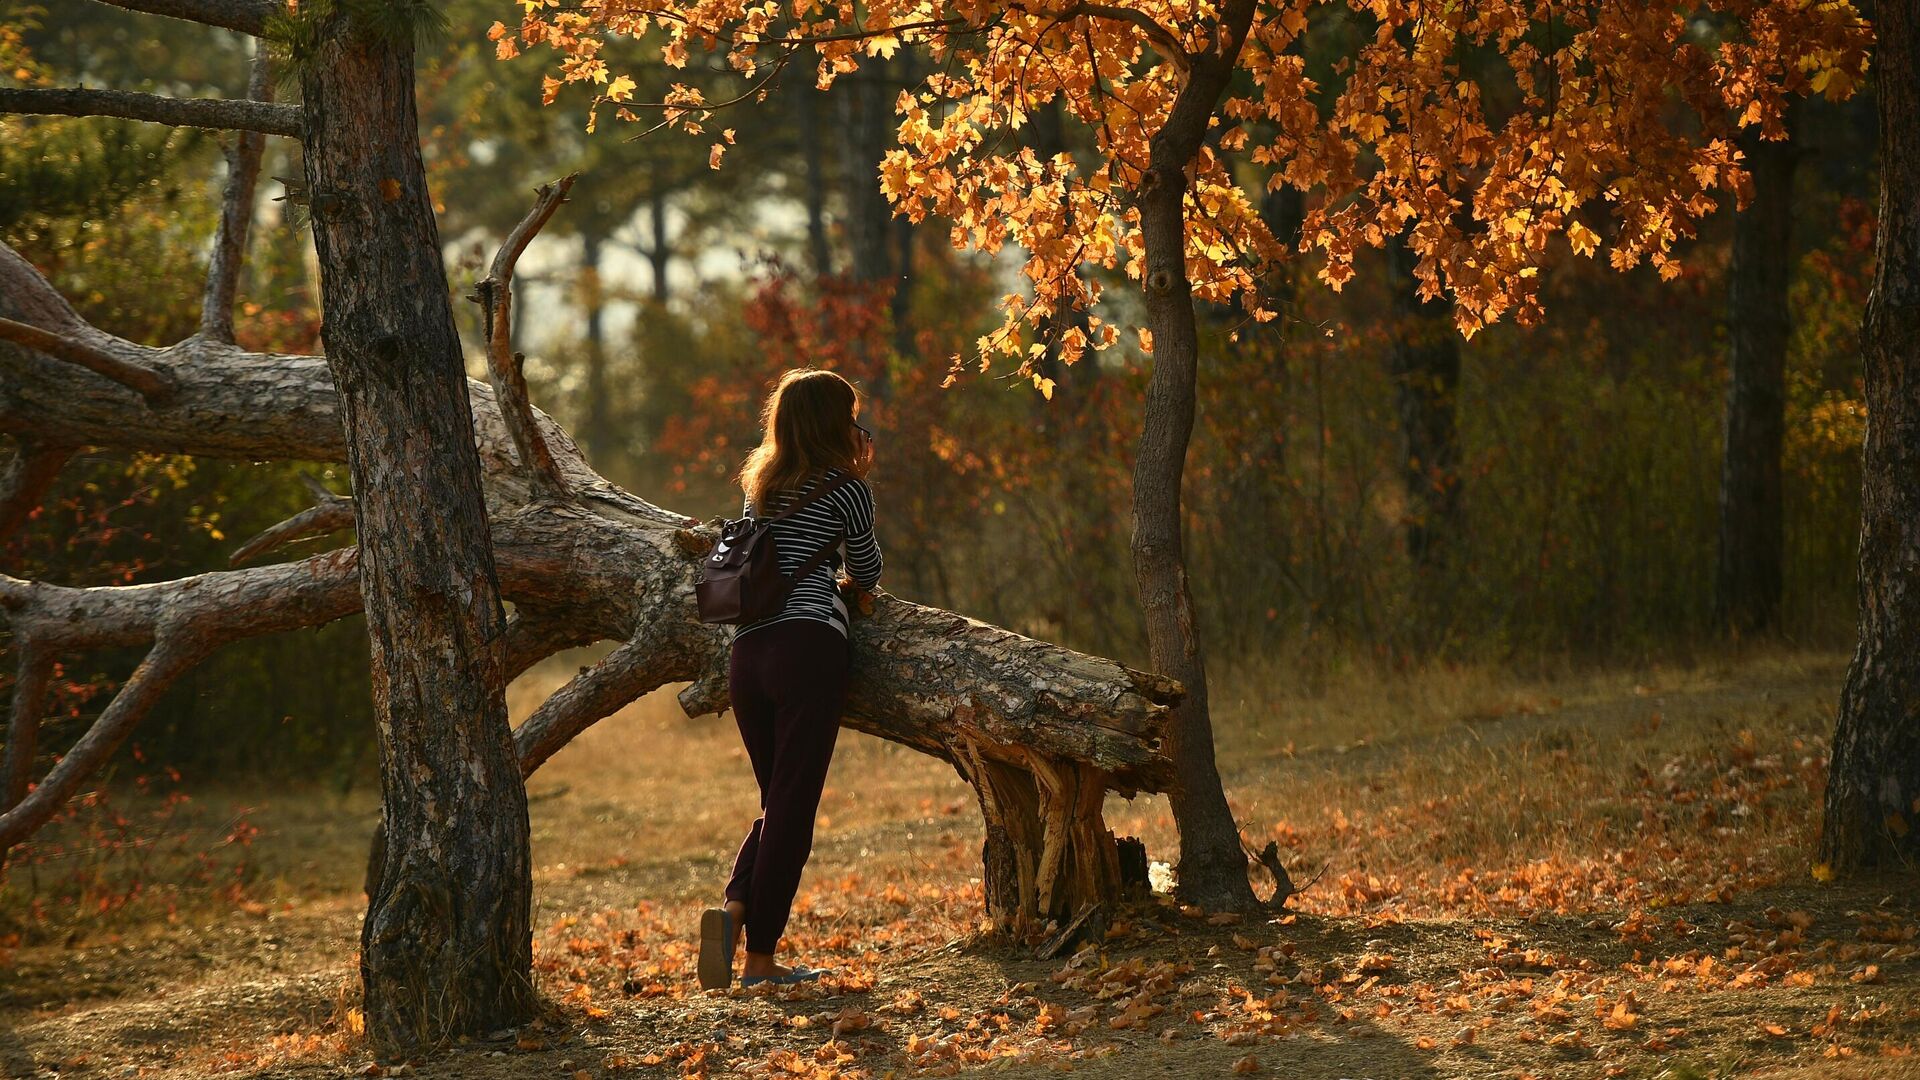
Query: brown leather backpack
point(740, 581)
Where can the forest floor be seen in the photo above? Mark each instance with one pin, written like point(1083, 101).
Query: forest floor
point(1585, 874)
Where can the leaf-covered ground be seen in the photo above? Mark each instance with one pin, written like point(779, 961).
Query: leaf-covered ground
point(1584, 875)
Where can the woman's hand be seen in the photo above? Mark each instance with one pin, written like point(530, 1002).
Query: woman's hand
point(863, 459)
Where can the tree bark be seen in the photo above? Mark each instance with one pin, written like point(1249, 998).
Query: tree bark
point(1873, 783)
point(1426, 377)
point(246, 16)
point(1748, 581)
point(446, 949)
point(1213, 868)
point(213, 113)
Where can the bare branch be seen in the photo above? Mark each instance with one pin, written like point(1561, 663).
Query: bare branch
point(246, 16)
point(1163, 40)
point(23, 730)
point(236, 214)
point(217, 113)
point(184, 620)
point(149, 383)
point(533, 634)
point(167, 662)
point(246, 405)
point(32, 298)
point(25, 481)
point(635, 668)
point(329, 514)
point(494, 294)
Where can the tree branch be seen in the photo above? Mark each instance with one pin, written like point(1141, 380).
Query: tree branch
point(245, 405)
point(329, 513)
point(32, 298)
point(184, 620)
point(23, 729)
point(533, 634)
point(26, 480)
point(236, 214)
point(167, 662)
point(494, 294)
point(1163, 40)
point(633, 669)
point(149, 383)
point(217, 113)
point(246, 16)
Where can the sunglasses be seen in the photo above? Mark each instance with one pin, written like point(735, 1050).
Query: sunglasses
point(862, 428)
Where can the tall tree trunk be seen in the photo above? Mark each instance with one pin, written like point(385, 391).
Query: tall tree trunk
point(872, 258)
point(899, 226)
point(1747, 585)
point(1873, 785)
point(598, 431)
point(862, 143)
point(1426, 378)
point(807, 104)
point(661, 253)
point(446, 948)
point(901, 302)
point(1213, 866)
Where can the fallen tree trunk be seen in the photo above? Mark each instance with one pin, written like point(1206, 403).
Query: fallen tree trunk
point(1042, 732)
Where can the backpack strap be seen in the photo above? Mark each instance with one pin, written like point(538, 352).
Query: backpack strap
point(815, 560)
point(820, 491)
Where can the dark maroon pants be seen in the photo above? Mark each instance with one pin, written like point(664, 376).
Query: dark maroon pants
point(788, 682)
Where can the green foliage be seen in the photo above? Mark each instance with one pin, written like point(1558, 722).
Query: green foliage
point(297, 35)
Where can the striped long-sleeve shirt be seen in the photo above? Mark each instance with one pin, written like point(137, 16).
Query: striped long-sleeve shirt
point(843, 517)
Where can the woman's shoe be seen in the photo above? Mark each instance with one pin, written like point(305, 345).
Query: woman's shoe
point(716, 959)
point(797, 975)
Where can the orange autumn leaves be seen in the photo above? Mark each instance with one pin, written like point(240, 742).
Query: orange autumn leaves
point(1480, 131)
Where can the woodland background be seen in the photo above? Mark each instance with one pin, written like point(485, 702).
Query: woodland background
point(1550, 806)
point(1582, 526)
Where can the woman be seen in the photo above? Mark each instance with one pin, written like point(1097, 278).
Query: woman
point(788, 673)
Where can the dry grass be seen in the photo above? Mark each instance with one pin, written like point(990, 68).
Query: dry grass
point(1586, 874)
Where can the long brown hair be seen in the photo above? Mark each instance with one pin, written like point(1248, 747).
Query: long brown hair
point(807, 428)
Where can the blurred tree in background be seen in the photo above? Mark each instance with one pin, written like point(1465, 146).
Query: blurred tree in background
point(1576, 512)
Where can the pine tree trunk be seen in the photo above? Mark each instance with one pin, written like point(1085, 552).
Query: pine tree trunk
point(1748, 582)
point(662, 252)
point(598, 427)
point(1426, 377)
point(1213, 866)
point(446, 948)
point(862, 143)
point(819, 255)
point(1873, 785)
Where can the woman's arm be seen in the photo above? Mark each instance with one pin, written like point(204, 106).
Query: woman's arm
point(854, 501)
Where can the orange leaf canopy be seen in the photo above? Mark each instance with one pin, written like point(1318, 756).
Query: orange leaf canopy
point(1479, 131)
